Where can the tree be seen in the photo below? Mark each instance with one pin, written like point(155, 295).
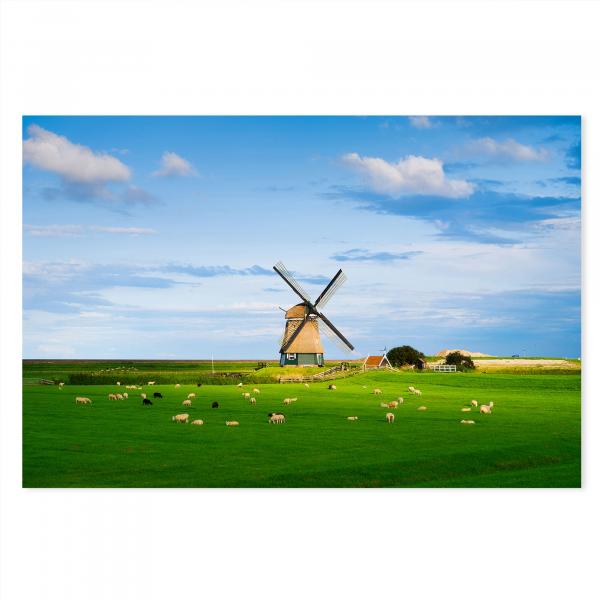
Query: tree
point(462, 361)
point(406, 355)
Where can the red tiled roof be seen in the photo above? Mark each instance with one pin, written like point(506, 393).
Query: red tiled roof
point(373, 361)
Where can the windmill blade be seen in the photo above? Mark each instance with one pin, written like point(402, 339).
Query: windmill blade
point(332, 336)
point(293, 337)
point(327, 324)
point(338, 280)
point(280, 269)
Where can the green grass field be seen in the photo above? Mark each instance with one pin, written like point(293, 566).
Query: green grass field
point(532, 439)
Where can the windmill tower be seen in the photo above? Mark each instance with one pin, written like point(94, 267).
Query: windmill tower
point(301, 341)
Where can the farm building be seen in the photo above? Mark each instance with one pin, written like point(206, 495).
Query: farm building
point(376, 362)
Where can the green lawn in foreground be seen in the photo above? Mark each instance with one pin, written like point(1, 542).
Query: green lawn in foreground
point(532, 439)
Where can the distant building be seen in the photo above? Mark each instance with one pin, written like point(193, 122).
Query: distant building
point(376, 362)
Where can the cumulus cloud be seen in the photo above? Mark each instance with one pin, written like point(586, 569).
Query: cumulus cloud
point(420, 122)
point(362, 255)
point(508, 150)
point(73, 162)
point(411, 175)
point(173, 165)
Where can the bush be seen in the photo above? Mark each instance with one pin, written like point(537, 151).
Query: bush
point(462, 361)
point(406, 355)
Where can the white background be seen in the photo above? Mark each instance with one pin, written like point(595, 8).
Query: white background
point(324, 57)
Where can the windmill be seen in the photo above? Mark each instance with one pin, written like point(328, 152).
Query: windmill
point(301, 340)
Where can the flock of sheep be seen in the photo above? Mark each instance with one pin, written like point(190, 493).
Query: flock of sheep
point(279, 418)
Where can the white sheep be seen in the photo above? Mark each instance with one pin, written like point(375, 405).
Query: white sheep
point(384, 405)
point(400, 400)
point(252, 400)
point(474, 403)
point(246, 395)
point(417, 392)
point(191, 396)
point(125, 395)
point(422, 408)
point(143, 396)
point(151, 382)
point(377, 391)
point(352, 418)
point(119, 396)
point(61, 384)
point(393, 404)
point(468, 422)
point(182, 418)
point(287, 401)
point(389, 417)
point(112, 396)
point(82, 400)
point(177, 386)
point(306, 385)
point(231, 423)
point(276, 418)
point(332, 387)
point(466, 409)
point(255, 391)
point(198, 422)
point(240, 384)
point(118, 383)
point(411, 388)
point(187, 403)
point(486, 409)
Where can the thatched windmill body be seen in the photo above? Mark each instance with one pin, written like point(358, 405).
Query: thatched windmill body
point(301, 341)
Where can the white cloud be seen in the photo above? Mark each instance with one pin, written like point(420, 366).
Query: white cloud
point(79, 230)
point(74, 162)
point(411, 175)
point(420, 122)
point(125, 230)
point(508, 149)
point(173, 165)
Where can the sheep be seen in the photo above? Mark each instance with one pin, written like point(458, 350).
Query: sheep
point(119, 396)
point(177, 386)
point(417, 392)
point(61, 384)
point(151, 382)
point(182, 418)
point(191, 396)
point(82, 400)
point(411, 389)
point(276, 418)
point(486, 409)
point(384, 405)
point(125, 395)
point(118, 383)
point(146, 402)
point(246, 395)
point(112, 396)
point(466, 409)
point(231, 423)
point(214, 405)
point(240, 384)
point(198, 384)
point(393, 404)
point(157, 395)
point(187, 403)
point(352, 418)
point(289, 400)
point(331, 387)
point(377, 391)
point(474, 403)
point(252, 400)
point(306, 385)
point(198, 422)
point(468, 422)
point(389, 417)
point(143, 396)
point(400, 400)
point(256, 391)
point(422, 408)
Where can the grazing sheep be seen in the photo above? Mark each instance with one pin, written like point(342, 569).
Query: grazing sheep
point(118, 383)
point(256, 391)
point(119, 396)
point(151, 382)
point(393, 404)
point(198, 422)
point(187, 403)
point(125, 395)
point(411, 388)
point(112, 396)
point(384, 405)
point(389, 417)
point(276, 418)
point(157, 395)
point(486, 409)
point(214, 405)
point(306, 385)
point(422, 408)
point(177, 385)
point(400, 400)
point(252, 400)
point(61, 384)
point(474, 403)
point(231, 423)
point(182, 418)
point(143, 396)
point(377, 391)
point(198, 385)
point(191, 396)
point(352, 418)
point(466, 409)
point(240, 384)
point(81, 400)
point(287, 401)
point(331, 387)
point(468, 422)
point(417, 392)
point(147, 402)
point(246, 395)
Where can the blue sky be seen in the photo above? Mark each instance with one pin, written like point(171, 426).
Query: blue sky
point(155, 237)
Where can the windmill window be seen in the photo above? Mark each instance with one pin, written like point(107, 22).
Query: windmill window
point(291, 357)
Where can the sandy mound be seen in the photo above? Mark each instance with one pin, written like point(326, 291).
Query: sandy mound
point(443, 353)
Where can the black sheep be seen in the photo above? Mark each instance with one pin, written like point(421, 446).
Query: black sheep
point(146, 402)
point(198, 385)
point(157, 395)
point(215, 405)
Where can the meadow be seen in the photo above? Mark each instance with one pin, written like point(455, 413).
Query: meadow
point(532, 438)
